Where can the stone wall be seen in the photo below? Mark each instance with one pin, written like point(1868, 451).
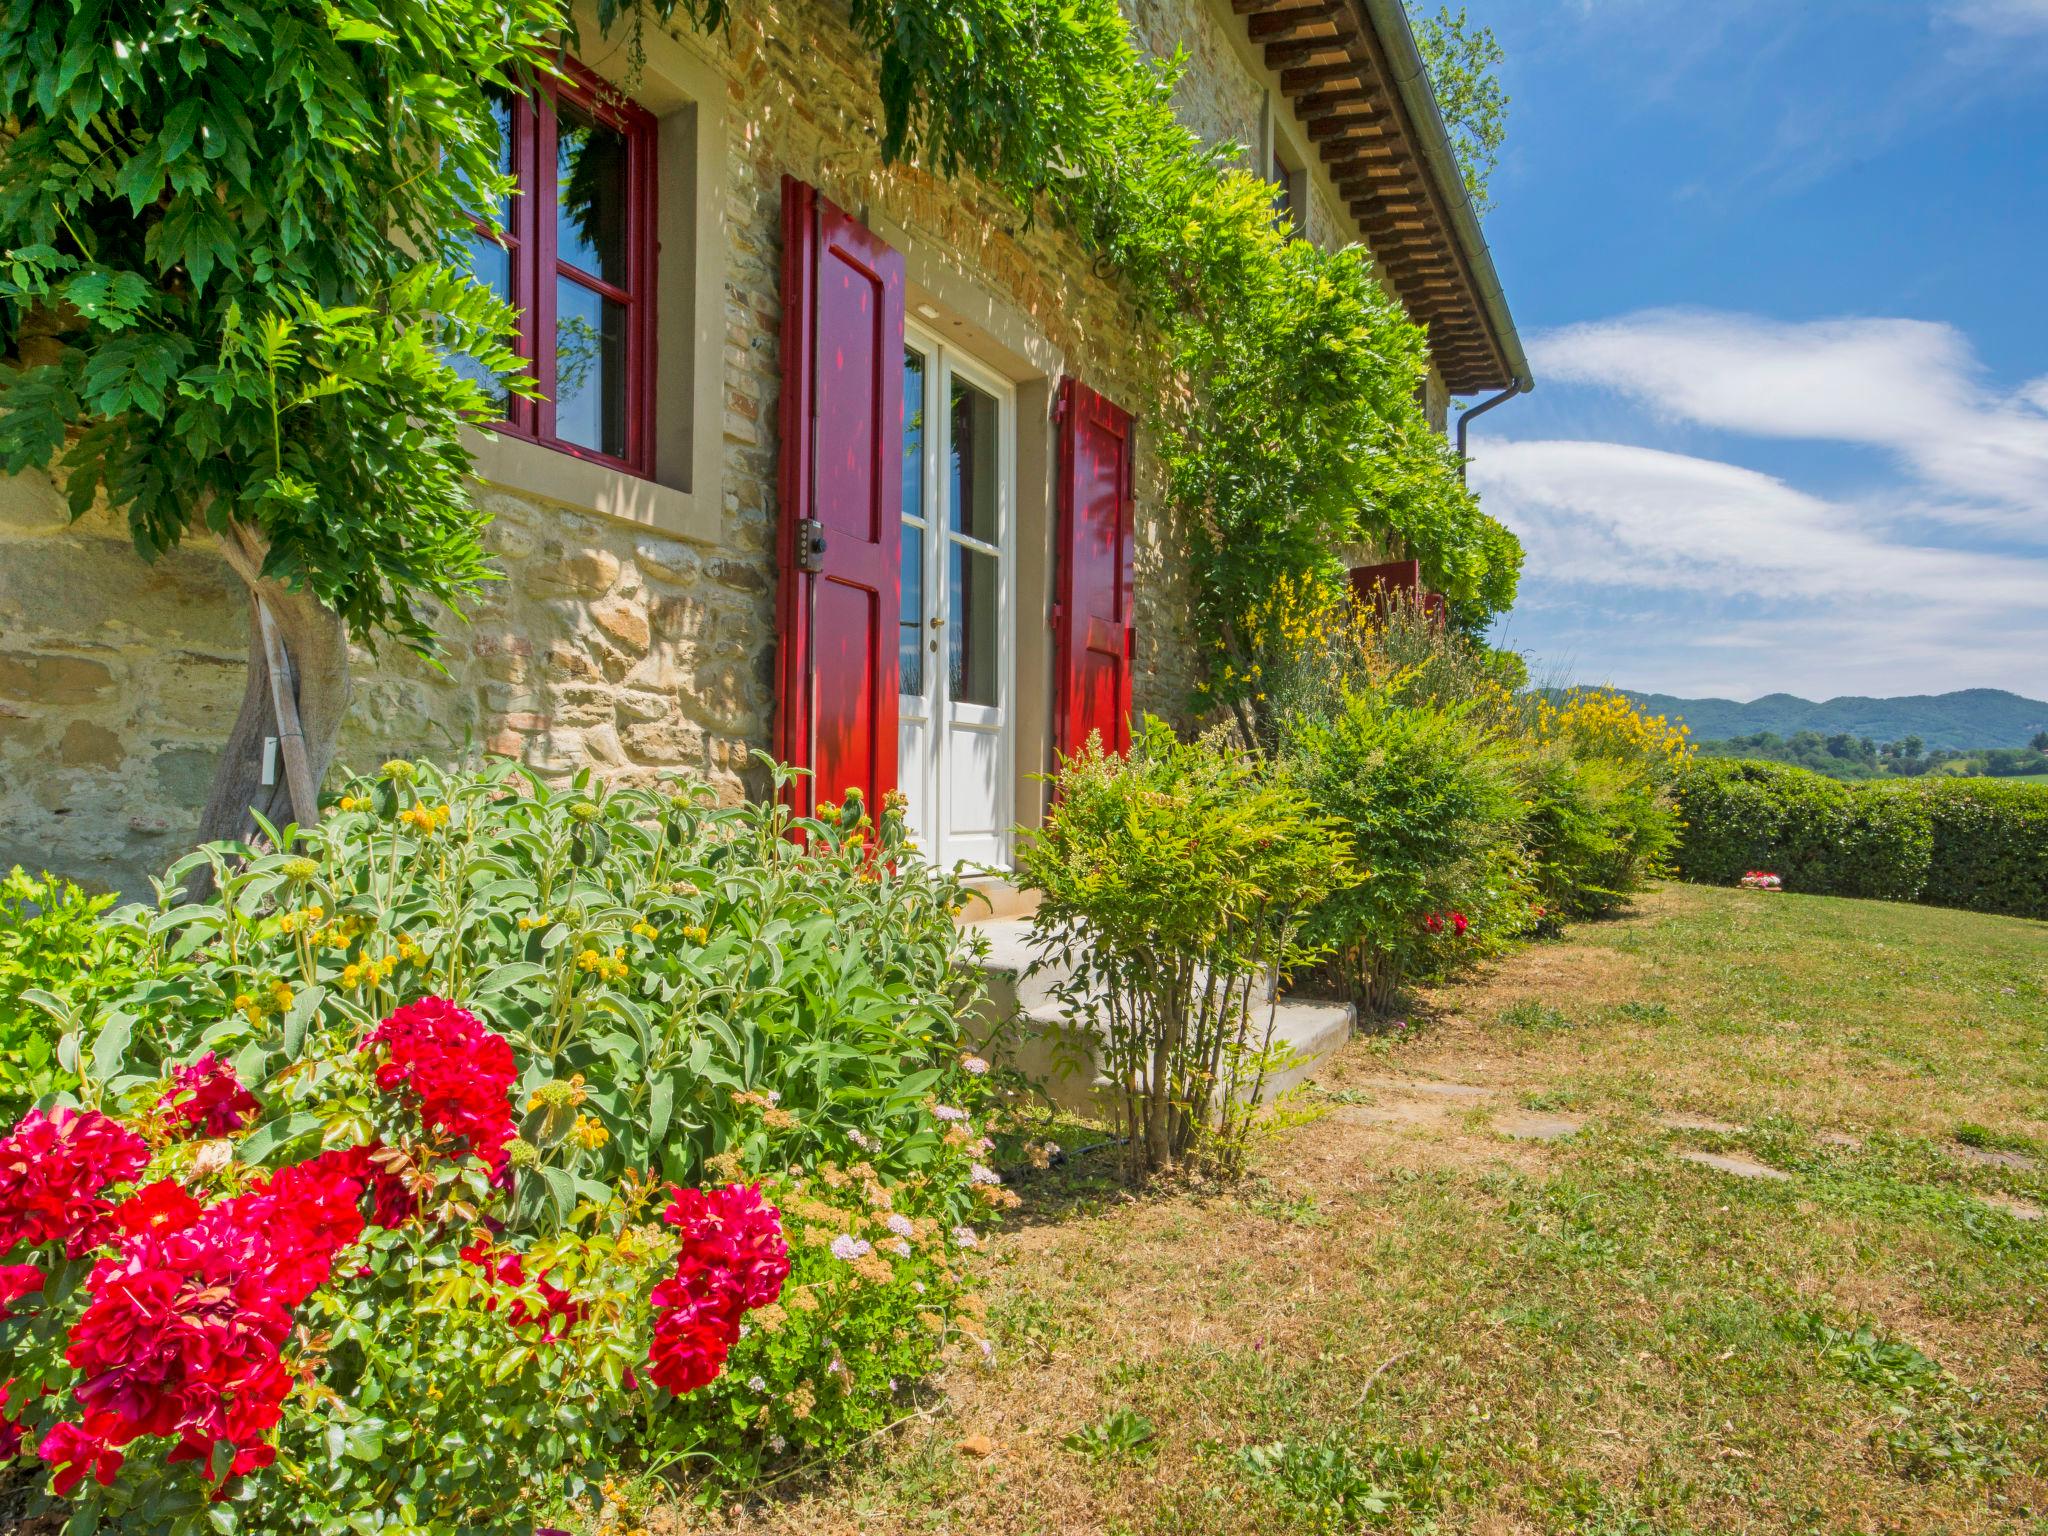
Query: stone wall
point(606, 643)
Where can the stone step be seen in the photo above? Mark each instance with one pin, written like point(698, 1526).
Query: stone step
point(1025, 1023)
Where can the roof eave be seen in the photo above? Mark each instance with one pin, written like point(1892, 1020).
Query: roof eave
point(1389, 21)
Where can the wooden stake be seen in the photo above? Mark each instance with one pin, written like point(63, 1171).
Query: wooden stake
point(291, 740)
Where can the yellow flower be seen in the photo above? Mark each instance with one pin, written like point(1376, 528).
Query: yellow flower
point(646, 930)
point(352, 975)
point(697, 935)
point(590, 1133)
point(589, 960)
point(355, 802)
point(280, 996)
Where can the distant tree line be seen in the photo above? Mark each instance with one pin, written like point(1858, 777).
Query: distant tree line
point(1845, 756)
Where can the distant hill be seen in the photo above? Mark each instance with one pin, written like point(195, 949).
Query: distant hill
point(1969, 718)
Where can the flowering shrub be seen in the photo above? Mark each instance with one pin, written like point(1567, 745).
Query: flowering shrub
point(438, 1165)
point(1462, 787)
point(1429, 798)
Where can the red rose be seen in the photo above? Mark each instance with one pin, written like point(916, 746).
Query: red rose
point(733, 1258)
point(16, 1281)
point(457, 1074)
point(208, 1095)
point(72, 1453)
point(52, 1169)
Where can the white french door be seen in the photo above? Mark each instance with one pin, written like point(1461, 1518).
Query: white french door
point(955, 654)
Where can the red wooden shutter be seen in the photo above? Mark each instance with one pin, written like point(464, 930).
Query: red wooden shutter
point(1092, 633)
point(1376, 583)
point(841, 485)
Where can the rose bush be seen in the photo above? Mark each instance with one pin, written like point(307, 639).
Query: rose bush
point(492, 1141)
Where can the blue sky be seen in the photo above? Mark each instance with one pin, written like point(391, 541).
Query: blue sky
point(1782, 269)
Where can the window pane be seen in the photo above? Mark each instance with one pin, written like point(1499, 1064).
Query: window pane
point(974, 466)
point(913, 433)
point(971, 675)
point(501, 110)
point(491, 264)
point(590, 369)
point(910, 626)
point(590, 182)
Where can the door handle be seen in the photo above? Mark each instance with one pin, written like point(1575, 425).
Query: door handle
point(938, 623)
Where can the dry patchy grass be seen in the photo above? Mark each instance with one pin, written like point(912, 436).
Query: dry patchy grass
point(1410, 1320)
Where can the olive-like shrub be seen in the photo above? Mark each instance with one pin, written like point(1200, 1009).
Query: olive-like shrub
point(488, 1142)
point(1176, 881)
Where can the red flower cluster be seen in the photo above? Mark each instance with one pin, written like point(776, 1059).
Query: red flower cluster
point(733, 1259)
point(182, 1336)
point(458, 1073)
point(16, 1281)
point(209, 1095)
point(1456, 921)
point(52, 1168)
point(557, 1313)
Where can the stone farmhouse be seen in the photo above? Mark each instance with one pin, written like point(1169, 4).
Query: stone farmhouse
point(841, 462)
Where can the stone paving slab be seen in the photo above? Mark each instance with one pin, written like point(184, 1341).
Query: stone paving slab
point(1735, 1163)
point(2025, 1210)
point(1470, 1092)
point(1527, 1125)
point(1994, 1157)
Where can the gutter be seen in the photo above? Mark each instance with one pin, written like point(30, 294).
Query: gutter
point(1465, 422)
point(1389, 20)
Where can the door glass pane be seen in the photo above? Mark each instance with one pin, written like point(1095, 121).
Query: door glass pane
point(974, 466)
point(590, 369)
point(913, 433)
point(910, 627)
point(974, 588)
point(590, 182)
point(910, 646)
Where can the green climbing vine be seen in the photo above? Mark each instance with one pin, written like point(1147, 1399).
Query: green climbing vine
point(1292, 424)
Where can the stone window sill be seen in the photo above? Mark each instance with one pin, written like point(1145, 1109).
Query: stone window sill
point(531, 469)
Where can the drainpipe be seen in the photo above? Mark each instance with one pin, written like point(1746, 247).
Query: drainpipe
point(1465, 418)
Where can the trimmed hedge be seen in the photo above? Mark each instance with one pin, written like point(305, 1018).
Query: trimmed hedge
point(1948, 842)
point(1990, 846)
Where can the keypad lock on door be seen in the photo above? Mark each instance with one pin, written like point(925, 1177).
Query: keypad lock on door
point(810, 544)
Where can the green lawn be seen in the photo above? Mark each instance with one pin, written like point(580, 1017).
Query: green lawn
point(1421, 1315)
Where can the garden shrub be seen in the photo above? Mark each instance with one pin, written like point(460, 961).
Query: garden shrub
point(1178, 880)
point(1482, 809)
point(1990, 846)
point(1430, 802)
point(462, 1131)
point(1597, 773)
point(53, 947)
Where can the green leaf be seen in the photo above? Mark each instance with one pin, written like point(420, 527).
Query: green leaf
point(111, 1044)
point(304, 1007)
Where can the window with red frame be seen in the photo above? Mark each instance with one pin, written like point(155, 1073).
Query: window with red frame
point(576, 259)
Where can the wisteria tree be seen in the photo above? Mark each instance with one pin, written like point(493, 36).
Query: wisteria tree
point(231, 283)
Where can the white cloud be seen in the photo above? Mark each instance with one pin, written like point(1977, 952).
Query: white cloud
point(1999, 18)
point(1756, 585)
point(1913, 389)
